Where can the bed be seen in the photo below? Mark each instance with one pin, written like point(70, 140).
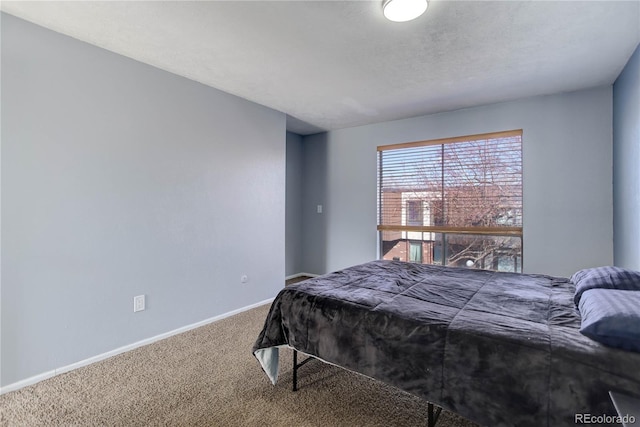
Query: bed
point(496, 348)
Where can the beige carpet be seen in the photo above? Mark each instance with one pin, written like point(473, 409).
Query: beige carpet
point(208, 377)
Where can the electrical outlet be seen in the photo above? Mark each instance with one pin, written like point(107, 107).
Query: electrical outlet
point(138, 303)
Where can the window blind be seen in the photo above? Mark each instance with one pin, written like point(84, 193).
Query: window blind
point(470, 184)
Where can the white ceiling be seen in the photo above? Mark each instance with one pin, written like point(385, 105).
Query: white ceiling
point(336, 64)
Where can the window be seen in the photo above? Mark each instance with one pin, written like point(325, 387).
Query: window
point(415, 252)
point(414, 212)
point(458, 199)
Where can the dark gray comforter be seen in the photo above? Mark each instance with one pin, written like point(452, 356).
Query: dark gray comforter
point(497, 348)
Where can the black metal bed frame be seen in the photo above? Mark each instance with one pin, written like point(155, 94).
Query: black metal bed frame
point(433, 411)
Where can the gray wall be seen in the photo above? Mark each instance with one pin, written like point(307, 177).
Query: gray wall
point(293, 228)
point(119, 179)
point(626, 165)
point(567, 157)
point(314, 233)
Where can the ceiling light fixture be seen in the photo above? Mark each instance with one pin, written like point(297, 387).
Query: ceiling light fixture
point(403, 10)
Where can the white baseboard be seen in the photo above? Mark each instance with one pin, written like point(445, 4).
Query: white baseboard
point(45, 375)
point(295, 276)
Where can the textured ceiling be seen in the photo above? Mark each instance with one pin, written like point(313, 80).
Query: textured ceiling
point(336, 64)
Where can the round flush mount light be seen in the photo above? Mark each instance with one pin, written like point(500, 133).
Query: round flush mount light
point(403, 10)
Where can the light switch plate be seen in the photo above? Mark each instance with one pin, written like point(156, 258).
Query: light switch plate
point(138, 303)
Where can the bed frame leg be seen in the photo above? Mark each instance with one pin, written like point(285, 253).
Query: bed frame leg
point(296, 366)
point(432, 415)
point(295, 370)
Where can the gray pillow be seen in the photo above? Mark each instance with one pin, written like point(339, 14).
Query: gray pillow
point(611, 317)
point(608, 277)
